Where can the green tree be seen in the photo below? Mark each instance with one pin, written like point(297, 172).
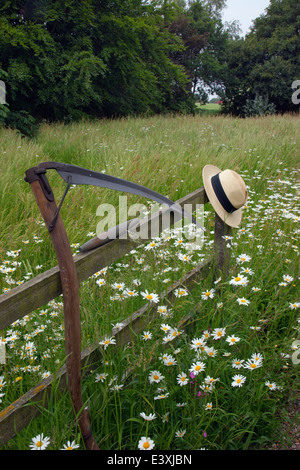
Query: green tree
point(266, 62)
point(205, 40)
point(63, 59)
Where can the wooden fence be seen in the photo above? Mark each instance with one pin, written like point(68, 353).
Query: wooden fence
point(38, 291)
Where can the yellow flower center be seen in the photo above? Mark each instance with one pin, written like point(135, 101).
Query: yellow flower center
point(238, 381)
point(253, 366)
point(237, 279)
point(39, 444)
point(183, 379)
point(155, 377)
point(146, 445)
point(149, 296)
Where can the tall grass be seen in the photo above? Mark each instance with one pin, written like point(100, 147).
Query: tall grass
point(166, 154)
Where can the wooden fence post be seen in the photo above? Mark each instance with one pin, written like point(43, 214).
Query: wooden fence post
point(221, 251)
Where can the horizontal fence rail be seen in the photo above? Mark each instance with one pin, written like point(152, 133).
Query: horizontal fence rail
point(36, 292)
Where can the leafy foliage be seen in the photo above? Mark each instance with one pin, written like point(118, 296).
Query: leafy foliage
point(266, 62)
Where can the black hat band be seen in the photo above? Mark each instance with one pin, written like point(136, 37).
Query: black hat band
point(220, 193)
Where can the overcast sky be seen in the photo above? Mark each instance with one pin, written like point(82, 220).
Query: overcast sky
point(245, 11)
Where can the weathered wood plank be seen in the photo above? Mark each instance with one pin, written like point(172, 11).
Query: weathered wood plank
point(19, 414)
point(36, 292)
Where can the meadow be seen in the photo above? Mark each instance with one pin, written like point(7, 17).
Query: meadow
point(224, 382)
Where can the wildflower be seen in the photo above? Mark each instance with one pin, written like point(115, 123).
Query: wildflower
point(118, 285)
point(118, 326)
point(173, 332)
point(218, 333)
point(70, 446)
point(271, 385)
point(162, 396)
point(238, 380)
point(180, 292)
point(239, 280)
point(255, 289)
point(252, 364)
point(185, 258)
point(46, 374)
point(165, 328)
point(100, 282)
point(165, 417)
point(294, 305)
point(107, 341)
point(101, 377)
point(208, 294)
point(211, 352)
point(208, 406)
point(287, 278)
point(247, 271)
point(242, 258)
point(150, 246)
point(146, 335)
point(155, 376)
point(180, 433)
point(116, 387)
point(243, 301)
point(257, 357)
point(162, 309)
point(210, 380)
point(39, 442)
point(150, 296)
point(150, 417)
point(182, 379)
point(197, 367)
point(130, 293)
point(207, 388)
point(198, 343)
point(170, 360)
point(232, 339)
point(206, 334)
point(145, 443)
point(237, 363)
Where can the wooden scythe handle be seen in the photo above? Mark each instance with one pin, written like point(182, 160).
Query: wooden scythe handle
point(70, 289)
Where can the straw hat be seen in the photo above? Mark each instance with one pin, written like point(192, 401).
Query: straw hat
point(227, 192)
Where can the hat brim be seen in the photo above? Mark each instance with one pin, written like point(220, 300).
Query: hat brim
point(234, 219)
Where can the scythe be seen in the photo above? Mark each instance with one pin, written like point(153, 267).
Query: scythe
point(44, 196)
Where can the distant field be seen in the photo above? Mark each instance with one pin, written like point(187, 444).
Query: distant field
point(248, 346)
point(209, 108)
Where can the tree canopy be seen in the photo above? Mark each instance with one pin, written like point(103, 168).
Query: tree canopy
point(67, 59)
point(266, 62)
